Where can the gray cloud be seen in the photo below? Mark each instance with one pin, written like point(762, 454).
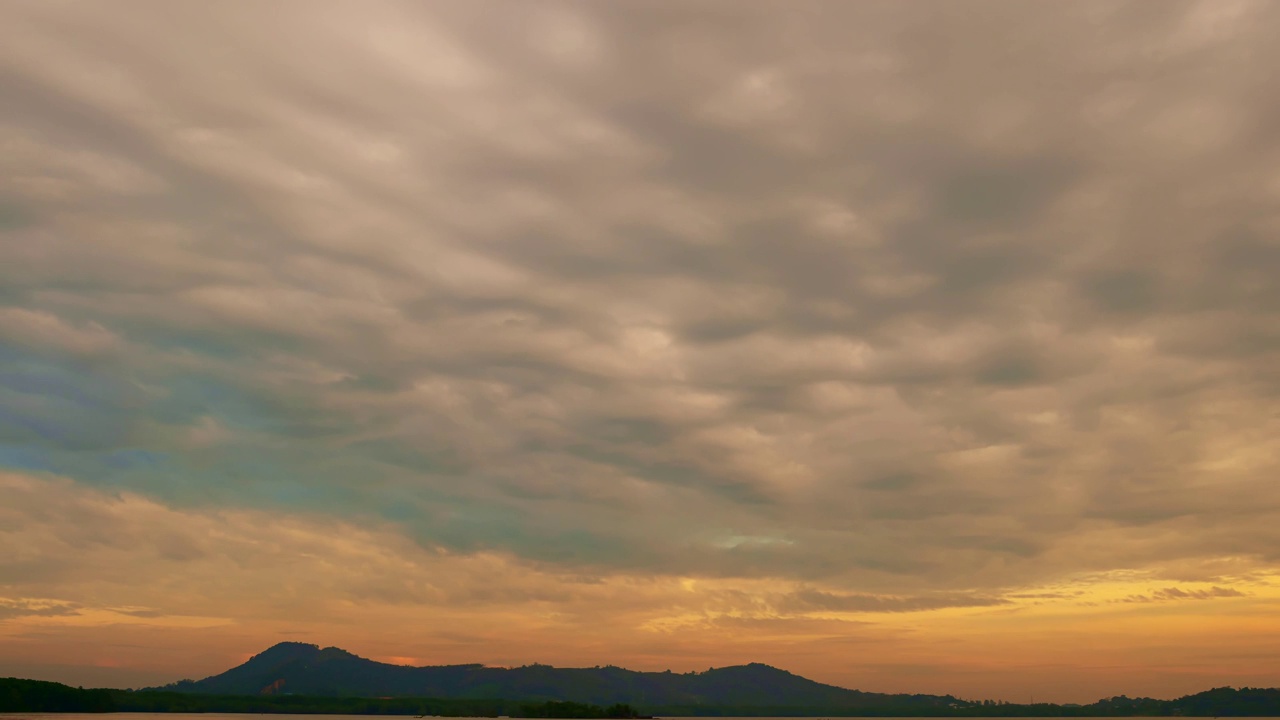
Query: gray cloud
point(22, 607)
point(1175, 593)
point(859, 602)
point(912, 301)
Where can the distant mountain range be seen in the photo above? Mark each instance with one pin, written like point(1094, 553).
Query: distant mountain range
point(303, 669)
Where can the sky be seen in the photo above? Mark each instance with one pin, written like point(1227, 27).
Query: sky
point(907, 346)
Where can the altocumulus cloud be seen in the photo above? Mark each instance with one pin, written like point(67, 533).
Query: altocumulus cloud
point(931, 303)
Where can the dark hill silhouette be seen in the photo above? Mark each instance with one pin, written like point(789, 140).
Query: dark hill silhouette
point(302, 669)
point(27, 696)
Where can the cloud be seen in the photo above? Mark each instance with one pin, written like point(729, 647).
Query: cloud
point(549, 312)
point(818, 600)
point(1175, 593)
point(921, 308)
point(146, 582)
point(27, 607)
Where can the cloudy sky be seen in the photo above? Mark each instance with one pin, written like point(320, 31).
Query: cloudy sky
point(909, 346)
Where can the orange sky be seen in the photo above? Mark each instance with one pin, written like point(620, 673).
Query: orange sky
point(222, 585)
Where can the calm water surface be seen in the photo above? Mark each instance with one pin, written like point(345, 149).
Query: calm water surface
point(280, 716)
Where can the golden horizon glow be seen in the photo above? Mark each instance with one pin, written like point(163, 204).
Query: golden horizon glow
point(1134, 618)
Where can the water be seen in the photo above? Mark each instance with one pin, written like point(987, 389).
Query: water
point(282, 716)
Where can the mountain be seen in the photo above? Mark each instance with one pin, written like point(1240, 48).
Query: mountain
point(302, 669)
point(727, 692)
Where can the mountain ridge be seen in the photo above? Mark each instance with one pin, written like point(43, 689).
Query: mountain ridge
point(24, 695)
point(308, 669)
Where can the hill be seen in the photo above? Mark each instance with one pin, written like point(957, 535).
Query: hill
point(302, 669)
point(36, 696)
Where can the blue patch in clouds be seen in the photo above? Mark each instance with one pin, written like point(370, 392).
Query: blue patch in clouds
point(20, 457)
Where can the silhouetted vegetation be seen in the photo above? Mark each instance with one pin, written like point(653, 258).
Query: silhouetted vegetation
point(554, 709)
point(36, 696)
point(151, 701)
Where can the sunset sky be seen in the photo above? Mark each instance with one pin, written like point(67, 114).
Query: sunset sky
point(907, 346)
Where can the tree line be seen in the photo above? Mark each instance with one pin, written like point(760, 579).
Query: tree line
point(18, 695)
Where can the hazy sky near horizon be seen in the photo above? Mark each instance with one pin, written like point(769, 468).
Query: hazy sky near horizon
point(908, 346)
